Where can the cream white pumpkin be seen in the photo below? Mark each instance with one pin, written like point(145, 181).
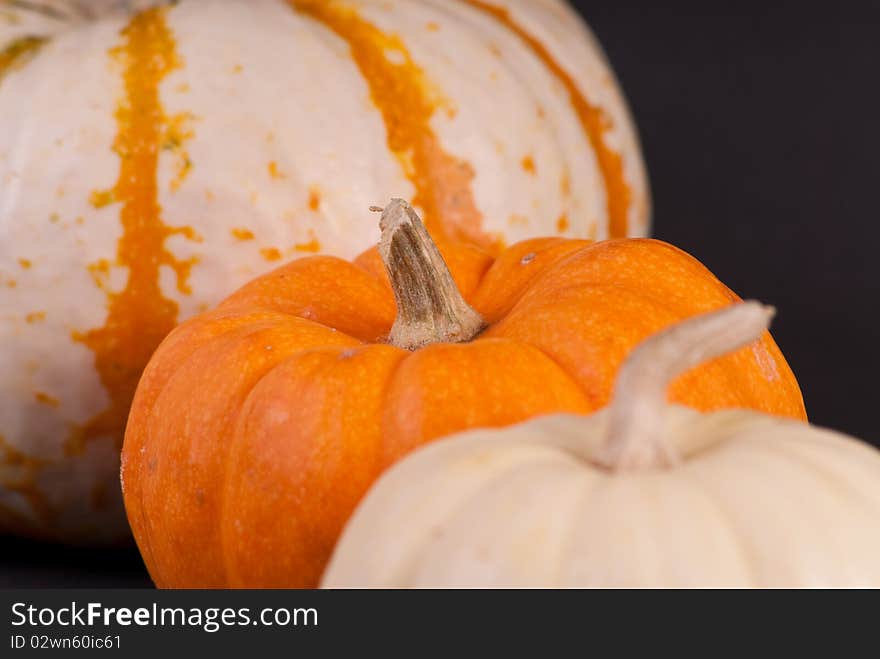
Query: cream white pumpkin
point(642, 494)
point(151, 163)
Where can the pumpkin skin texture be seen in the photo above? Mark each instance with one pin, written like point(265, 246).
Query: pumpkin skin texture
point(201, 144)
point(679, 498)
point(258, 426)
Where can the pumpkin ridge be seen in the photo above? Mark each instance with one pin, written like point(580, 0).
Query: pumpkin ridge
point(386, 451)
point(540, 456)
point(496, 270)
point(594, 120)
point(400, 92)
point(313, 385)
point(714, 500)
point(541, 387)
point(593, 400)
point(549, 272)
point(738, 519)
point(646, 301)
point(803, 454)
point(229, 565)
point(294, 289)
point(473, 493)
point(294, 319)
point(213, 450)
point(131, 457)
point(591, 484)
point(819, 457)
point(145, 536)
point(464, 19)
point(552, 272)
point(552, 282)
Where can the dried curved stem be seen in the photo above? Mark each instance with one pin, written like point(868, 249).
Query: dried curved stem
point(430, 308)
point(636, 427)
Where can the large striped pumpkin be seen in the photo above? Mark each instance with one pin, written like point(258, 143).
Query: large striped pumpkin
point(154, 158)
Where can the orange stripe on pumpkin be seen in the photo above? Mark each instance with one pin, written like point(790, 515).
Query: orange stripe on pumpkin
point(139, 316)
point(18, 52)
point(401, 92)
point(594, 119)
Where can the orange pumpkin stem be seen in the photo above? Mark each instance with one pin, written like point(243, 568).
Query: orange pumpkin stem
point(430, 308)
point(637, 435)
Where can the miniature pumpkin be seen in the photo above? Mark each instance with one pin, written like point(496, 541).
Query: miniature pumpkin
point(641, 494)
point(257, 427)
point(151, 163)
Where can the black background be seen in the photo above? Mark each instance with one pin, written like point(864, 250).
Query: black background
point(760, 123)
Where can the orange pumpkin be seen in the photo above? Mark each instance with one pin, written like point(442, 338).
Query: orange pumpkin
point(257, 427)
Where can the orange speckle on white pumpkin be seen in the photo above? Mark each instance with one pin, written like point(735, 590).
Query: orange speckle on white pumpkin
point(528, 164)
point(312, 245)
point(270, 253)
point(100, 271)
point(240, 233)
point(565, 184)
point(314, 198)
point(25, 263)
point(35, 317)
point(45, 399)
point(99, 199)
point(177, 131)
point(273, 170)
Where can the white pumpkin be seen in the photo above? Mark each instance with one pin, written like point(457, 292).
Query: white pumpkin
point(151, 163)
point(641, 494)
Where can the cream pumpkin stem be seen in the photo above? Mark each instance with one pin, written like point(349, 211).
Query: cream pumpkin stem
point(636, 431)
point(430, 308)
